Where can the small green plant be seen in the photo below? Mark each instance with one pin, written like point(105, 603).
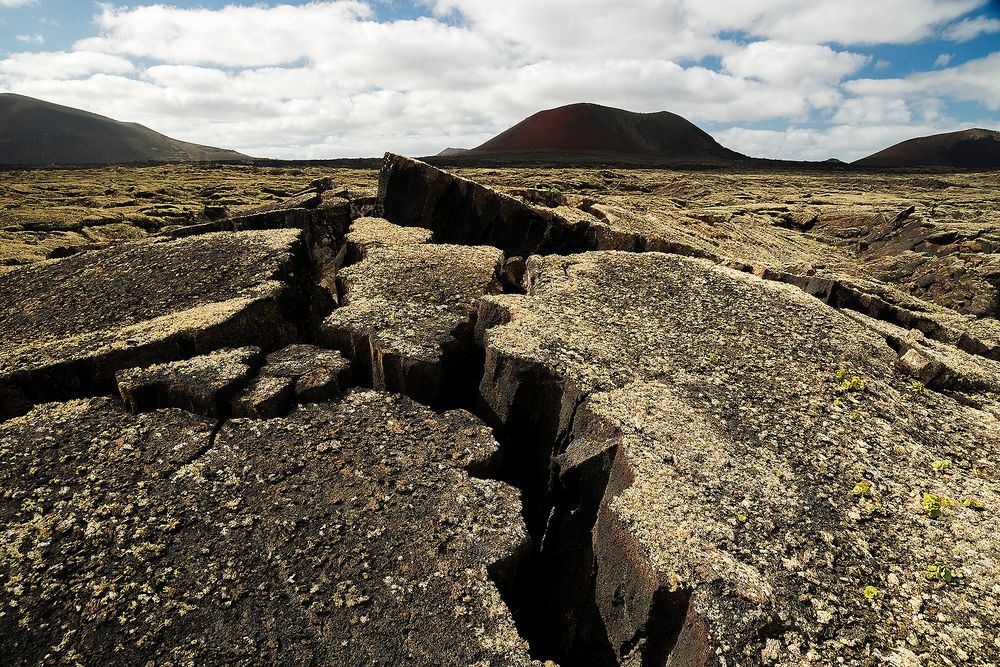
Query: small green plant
point(742, 518)
point(917, 388)
point(855, 384)
point(932, 504)
point(939, 573)
point(713, 358)
point(974, 504)
point(875, 508)
point(941, 466)
point(872, 593)
point(855, 416)
point(863, 489)
point(841, 375)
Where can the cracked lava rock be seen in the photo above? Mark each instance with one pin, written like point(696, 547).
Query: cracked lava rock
point(477, 430)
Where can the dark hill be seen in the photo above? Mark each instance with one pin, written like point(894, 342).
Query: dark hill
point(975, 149)
point(452, 152)
point(592, 128)
point(34, 132)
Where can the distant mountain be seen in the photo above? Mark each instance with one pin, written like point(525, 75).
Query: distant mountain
point(592, 128)
point(452, 152)
point(976, 149)
point(33, 132)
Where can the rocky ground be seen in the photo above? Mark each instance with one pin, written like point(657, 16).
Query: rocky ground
point(46, 213)
point(580, 417)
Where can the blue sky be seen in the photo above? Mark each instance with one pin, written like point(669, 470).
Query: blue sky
point(775, 78)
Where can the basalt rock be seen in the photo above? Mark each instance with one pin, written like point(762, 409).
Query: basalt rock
point(69, 325)
point(347, 533)
point(202, 385)
point(742, 472)
point(297, 374)
point(725, 434)
point(406, 318)
point(459, 211)
point(318, 374)
point(368, 233)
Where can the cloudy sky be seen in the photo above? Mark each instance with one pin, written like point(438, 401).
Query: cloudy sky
point(797, 79)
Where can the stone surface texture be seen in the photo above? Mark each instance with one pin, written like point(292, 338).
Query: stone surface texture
point(201, 385)
point(367, 233)
point(404, 310)
point(266, 544)
point(70, 324)
point(456, 210)
point(639, 417)
point(732, 457)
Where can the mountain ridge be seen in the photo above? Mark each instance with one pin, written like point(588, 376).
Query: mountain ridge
point(35, 132)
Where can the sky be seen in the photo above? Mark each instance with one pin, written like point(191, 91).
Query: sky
point(792, 79)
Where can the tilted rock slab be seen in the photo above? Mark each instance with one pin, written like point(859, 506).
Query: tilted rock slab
point(407, 316)
point(202, 385)
point(69, 325)
point(414, 194)
point(727, 496)
point(296, 374)
point(348, 533)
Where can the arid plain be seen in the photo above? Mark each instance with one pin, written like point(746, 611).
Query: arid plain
point(803, 219)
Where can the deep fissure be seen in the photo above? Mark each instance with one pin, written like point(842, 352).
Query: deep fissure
point(551, 586)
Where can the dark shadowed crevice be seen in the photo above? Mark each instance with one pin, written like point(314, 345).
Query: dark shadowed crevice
point(568, 465)
point(209, 443)
point(553, 603)
point(463, 362)
point(563, 607)
point(661, 634)
point(552, 599)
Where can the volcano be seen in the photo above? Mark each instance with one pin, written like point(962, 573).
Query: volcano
point(971, 149)
point(35, 132)
point(594, 129)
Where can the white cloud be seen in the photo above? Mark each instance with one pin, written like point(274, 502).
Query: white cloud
point(16, 3)
point(326, 79)
point(822, 21)
point(972, 81)
point(57, 65)
point(590, 29)
point(968, 29)
point(30, 39)
point(942, 60)
point(873, 111)
point(803, 64)
point(666, 28)
point(844, 142)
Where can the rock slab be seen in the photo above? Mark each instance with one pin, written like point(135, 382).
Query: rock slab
point(71, 324)
point(346, 533)
point(407, 316)
point(767, 475)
